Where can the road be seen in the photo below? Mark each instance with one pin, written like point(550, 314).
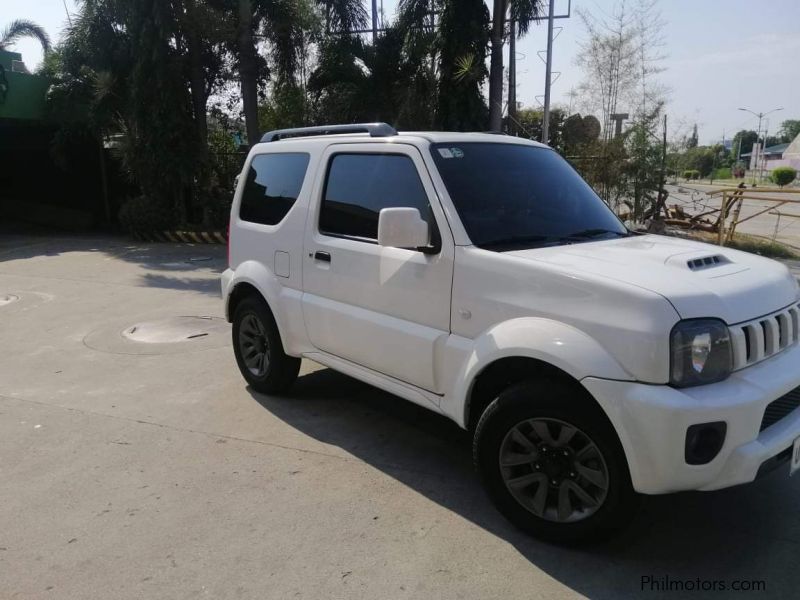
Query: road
point(143, 470)
point(694, 199)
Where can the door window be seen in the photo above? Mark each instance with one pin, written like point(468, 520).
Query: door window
point(358, 186)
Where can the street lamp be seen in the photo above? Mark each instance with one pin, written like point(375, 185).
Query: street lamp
point(760, 116)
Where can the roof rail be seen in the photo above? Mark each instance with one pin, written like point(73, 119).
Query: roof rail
point(374, 130)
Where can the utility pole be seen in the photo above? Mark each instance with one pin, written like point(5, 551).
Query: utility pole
point(512, 78)
point(374, 21)
point(662, 192)
point(759, 146)
point(548, 74)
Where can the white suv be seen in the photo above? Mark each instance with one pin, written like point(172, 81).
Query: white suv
point(479, 276)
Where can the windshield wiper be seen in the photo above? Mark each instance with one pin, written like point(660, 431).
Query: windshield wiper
point(543, 240)
point(519, 240)
point(591, 233)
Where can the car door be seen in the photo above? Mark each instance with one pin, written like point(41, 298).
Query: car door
point(382, 308)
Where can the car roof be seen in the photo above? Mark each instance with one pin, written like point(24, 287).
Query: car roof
point(413, 137)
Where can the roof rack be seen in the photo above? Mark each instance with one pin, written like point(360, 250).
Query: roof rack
point(374, 130)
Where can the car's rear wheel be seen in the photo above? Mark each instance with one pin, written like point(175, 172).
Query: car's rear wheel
point(259, 350)
point(552, 463)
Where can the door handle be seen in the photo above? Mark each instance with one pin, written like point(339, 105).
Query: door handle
point(323, 256)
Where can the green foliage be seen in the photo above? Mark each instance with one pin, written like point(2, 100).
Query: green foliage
point(461, 44)
point(643, 167)
point(789, 130)
point(692, 140)
point(145, 214)
point(389, 81)
point(743, 142)
point(530, 126)
point(579, 131)
point(22, 28)
point(722, 173)
point(691, 174)
point(286, 107)
point(783, 175)
point(700, 159)
point(160, 149)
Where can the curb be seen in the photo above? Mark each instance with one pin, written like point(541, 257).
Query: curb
point(186, 237)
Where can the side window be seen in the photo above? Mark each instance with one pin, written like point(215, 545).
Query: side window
point(360, 185)
point(273, 183)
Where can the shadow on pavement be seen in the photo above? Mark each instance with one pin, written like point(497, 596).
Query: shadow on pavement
point(165, 265)
point(746, 533)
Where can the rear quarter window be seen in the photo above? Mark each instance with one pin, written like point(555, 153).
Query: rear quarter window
point(272, 186)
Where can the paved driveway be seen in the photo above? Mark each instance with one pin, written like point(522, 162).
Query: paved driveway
point(141, 470)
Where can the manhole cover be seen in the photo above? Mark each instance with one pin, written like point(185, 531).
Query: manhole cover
point(174, 330)
point(7, 299)
point(160, 335)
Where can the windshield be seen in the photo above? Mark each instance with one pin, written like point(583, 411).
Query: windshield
point(513, 195)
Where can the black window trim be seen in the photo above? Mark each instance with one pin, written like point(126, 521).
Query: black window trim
point(435, 246)
point(299, 192)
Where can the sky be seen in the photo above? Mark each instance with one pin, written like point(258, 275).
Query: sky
point(720, 55)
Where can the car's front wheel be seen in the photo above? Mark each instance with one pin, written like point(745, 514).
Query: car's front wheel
point(552, 463)
point(259, 350)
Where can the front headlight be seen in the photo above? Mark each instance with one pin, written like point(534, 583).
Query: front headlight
point(701, 352)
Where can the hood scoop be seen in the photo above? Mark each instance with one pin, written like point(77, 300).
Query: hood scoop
point(707, 262)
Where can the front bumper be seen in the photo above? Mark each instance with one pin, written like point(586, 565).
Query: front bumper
point(651, 421)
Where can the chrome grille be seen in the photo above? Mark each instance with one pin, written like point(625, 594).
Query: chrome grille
point(759, 339)
point(780, 408)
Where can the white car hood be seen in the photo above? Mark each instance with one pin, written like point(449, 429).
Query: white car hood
point(699, 280)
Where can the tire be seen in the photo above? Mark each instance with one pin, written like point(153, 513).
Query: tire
point(523, 429)
point(256, 334)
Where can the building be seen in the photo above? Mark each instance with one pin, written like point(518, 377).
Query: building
point(22, 94)
point(779, 155)
point(35, 185)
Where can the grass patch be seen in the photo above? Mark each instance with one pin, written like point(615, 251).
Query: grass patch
point(750, 243)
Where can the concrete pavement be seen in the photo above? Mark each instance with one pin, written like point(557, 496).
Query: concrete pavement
point(153, 472)
point(786, 229)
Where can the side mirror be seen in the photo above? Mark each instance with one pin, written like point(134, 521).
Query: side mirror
point(402, 228)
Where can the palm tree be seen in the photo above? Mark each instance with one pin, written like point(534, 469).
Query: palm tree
point(22, 28)
point(280, 25)
point(523, 13)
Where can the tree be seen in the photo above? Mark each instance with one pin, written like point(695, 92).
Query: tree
point(643, 167)
point(22, 28)
point(144, 69)
point(579, 131)
point(279, 25)
point(462, 42)
point(523, 13)
point(391, 80)
point(789, 130)
point(743, 142)
point(691, 141)
point(529, 125)
point(699, 159)
point(619, 59)
point(160, 147)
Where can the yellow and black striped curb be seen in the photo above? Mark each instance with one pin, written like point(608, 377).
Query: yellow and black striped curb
point(186, 237)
